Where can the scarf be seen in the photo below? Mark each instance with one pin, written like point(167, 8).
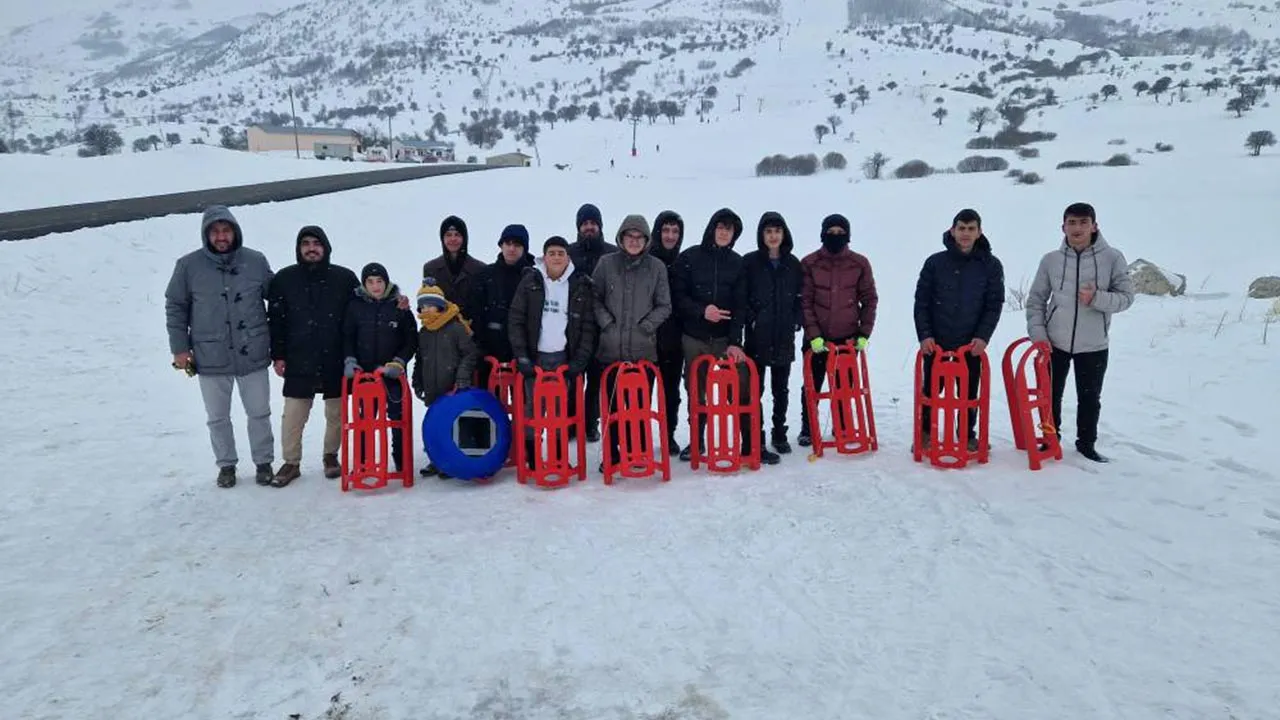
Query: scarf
point(437, 320)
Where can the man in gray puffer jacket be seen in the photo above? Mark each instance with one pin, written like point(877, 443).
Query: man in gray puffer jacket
point(633, 298)
point(216, 315)
point(1077, 289)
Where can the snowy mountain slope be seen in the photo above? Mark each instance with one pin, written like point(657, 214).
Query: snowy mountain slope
point(851, 588)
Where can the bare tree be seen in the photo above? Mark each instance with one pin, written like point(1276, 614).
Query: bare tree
point(873, 165)
point(834, 121)
point(1259, 139)
point(940, 113)
point(820, 131)
point(979, 117)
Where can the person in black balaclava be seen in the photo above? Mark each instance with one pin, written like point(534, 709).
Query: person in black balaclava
point(490, 300)
point(585, 253)
point(454, 271)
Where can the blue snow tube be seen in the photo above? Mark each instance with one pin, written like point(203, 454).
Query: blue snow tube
point(467, 435)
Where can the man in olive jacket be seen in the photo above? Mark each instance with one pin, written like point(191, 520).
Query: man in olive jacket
point(633, 298)
point(1077, 289)
point(216, 316)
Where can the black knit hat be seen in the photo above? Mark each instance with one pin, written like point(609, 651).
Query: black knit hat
point(374, 270)
point(589, 212)
point(835, 220)
point(555, 241)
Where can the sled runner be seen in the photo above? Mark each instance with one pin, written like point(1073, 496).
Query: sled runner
point(848, 395)
point(640, 428)
point(366, 433)
point(543, 446)
point(715, 424)
point(947, 405)
point(1031, 402)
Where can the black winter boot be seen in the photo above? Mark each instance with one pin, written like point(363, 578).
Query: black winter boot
point(780, 443)
point(265, 474)
point(227, 476)
point(767, 457)
point(1088, 450)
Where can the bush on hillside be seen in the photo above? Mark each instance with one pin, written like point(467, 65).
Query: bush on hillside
point(1164, 147)
point(1015, 173)
point(981, 142)
point(913, 169)
point(1028, 152)
point(1012, 138)
point(1117, 141)
point(982, 163)
point(1030, 179)
point(1073, 164)
point(1118, 160)
point(834, 161)
point(778, 165)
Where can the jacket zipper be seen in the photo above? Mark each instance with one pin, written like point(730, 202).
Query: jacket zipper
point(1075, 320)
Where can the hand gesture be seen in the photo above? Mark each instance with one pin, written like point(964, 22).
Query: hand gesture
point(715, 314)
point(279, 367)
point(979, 346)
point(928, 346)
point(182, 360)
point(1087, 291)
point(736, 354)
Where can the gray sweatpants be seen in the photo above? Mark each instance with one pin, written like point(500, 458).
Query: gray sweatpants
point(255, 397)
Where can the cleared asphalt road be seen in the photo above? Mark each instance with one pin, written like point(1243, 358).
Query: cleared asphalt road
point(23, 224)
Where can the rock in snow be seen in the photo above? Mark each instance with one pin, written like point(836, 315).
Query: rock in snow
point(1151, 279)
point(1265, 287)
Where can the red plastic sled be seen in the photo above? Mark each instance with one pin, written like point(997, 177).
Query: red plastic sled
point(1031, 403)
point(504, 380)
point(848, 392)
point(950, 404)
point(365, 424)
point(641, 428)
point(551, 425)
point(727, 402)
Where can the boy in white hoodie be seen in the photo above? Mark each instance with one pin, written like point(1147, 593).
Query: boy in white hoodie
point(551, 322)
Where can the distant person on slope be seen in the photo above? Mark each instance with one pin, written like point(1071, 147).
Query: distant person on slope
point(552, 322)
point(454, 270)
point(774, 278)
point(306, 306)
point(669, 227)
point(490, 301)
point(216, 316)
point(959, 298)
point(633, 299)
point(1077, 289)
point(709, 291)
point(585, 253)
point(446, 353)
point(378, 332)
point(838, 298)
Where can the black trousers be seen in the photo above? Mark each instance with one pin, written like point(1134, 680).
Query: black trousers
point(1090, 369)
point(779, 381)
point(974, 364)
point(592, 391)
point(394, 411)
point(615, 438)
point(671, 367)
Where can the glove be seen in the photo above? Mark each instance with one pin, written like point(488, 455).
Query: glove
point(393, 369)
point(350, 367)
point(818, 345)
point(862, 343)
point(525, 366)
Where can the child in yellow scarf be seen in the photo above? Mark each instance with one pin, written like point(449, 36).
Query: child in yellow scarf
point(446, 357)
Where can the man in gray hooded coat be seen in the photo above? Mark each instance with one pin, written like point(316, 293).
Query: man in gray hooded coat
point(216, 316)
point(1077, 289)
point(633, 298)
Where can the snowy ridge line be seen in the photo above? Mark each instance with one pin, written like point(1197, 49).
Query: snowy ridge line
point(27, 224)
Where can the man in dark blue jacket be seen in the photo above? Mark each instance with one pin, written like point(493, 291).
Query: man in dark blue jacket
point(959, 298)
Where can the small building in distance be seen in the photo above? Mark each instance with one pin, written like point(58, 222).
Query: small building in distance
point(428, 151)
point(512, 159)
point(271, 138)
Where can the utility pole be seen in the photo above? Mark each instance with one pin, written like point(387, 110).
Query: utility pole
point(293, 114)
point(739, 103)
point(13, 124)
point(635, 123)
point(389, 135)
point(759, 105)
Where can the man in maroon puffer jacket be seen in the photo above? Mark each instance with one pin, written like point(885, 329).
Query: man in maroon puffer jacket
point(838, 300)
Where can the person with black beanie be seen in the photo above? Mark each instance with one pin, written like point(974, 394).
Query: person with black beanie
point(585, 253)
point(838, 299)
point(454, 271)
point(490, 301)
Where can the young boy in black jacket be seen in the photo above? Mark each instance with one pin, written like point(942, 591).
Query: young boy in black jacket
point(773, 277)
point(377, 333)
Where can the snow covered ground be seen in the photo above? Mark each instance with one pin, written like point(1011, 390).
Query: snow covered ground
point(33, 181)
point(848, 588)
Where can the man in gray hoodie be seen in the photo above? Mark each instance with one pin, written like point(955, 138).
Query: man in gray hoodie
point(216, 315)
point(633, 298)
point(1077, 289)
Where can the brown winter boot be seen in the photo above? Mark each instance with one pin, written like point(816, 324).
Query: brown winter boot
point(332, 469)
point(287, 473)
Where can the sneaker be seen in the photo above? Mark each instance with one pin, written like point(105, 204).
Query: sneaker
point(686, 454)
point(264, 474)
point(287, 473)
point(428, 470)
point(804, 440)
point(673, 446)
point(769, 458)
point(227, 476)
point(1091, 453)
point(331, 467)
point(780, 443)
